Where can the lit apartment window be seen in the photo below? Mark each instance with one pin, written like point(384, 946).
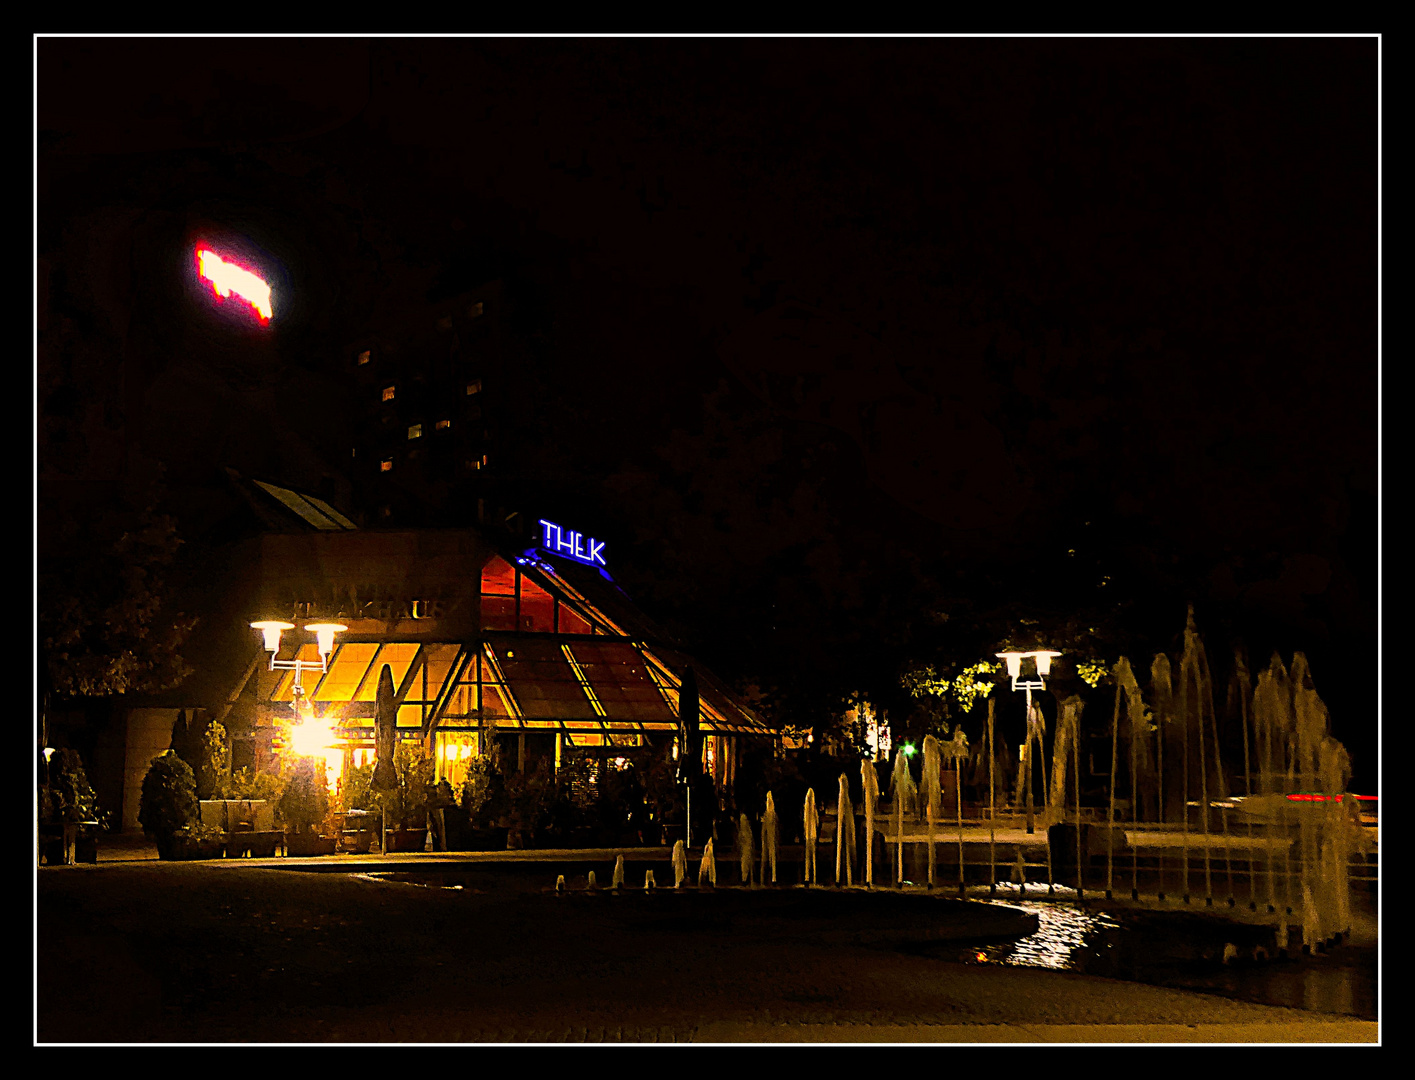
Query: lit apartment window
point(474, 388)
point(364, 358)
point(354, 452)
point(473, 464)
point(443, 425)
point(388, 393)
point(415, 432)
point(386, 465)
point(474, 312)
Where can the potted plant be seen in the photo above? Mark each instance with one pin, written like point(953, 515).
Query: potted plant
point(69, 816)
point(197, 841)
point(484, 805)
point(406, 803)
point(304, 806)
point(356, 803)
point(51, 827)
point(440, 800)
point(169, 803)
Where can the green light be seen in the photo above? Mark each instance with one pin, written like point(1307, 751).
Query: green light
point(908, 749)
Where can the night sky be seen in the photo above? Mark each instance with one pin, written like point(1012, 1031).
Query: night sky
point(880, 329)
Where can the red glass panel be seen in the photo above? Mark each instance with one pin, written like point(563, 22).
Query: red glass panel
point(492, 703)
point(498, 578)
point(572, 622)
point(498, 612)
point(537, 607)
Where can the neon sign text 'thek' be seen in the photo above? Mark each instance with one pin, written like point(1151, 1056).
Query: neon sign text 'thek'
point(572, 545)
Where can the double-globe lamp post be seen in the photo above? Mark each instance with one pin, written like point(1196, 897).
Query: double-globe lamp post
point(1043, 659)
point(308, 738)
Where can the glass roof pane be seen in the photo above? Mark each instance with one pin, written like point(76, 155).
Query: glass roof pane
point(410, 716)
point(301, 506)
point(439, 664)
point(619, 679)
point(542, 680)
point(398, 656)
point(345, 670)
point(329, 511)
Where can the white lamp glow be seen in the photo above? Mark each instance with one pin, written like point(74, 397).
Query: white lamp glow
point(272, 628)
point(324, 634)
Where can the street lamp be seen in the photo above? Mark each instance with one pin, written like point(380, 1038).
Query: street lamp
point(1043, 658)
point(312, 736)
point(324, 637)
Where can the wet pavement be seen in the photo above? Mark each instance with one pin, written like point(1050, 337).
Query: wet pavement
point(135, 950)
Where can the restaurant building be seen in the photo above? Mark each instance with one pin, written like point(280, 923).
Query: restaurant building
point(490, 639)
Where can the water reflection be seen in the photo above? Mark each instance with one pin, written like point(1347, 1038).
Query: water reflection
point(1186, 953)
point(1061, 932)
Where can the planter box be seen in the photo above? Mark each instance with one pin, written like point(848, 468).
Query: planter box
point(258, 845)
point(407, 839)
point(86, 848)
point(182, 849)
point(304, 845)
point(51, 849)
point(356, 841)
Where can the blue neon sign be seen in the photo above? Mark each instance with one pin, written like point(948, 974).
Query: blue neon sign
point(572, 545)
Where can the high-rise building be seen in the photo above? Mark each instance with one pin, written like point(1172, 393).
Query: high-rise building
point(424, 417)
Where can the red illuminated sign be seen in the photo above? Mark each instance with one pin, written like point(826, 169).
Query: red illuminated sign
point(229, 279)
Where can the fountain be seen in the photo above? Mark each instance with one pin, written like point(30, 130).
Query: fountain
point(844, 834)
point(932, 855)
point(869, 785)
point(744, 848)
point(560, 884)
point(707, 870)
point(933, 798)
point(648, 881)
point(904, 795)
point(590, 882)
point(770, 837)
point(617, 881)
point(812, 828)
point(957, 751)
point(680, 863)
point(932, 786)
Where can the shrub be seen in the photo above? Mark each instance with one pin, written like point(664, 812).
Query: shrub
point(245, 784)
point(406, 804)
point(484, 793)
point(213, 761)
point(169, 798)
point(305, 803)
point(73, 796)
point(356, 789)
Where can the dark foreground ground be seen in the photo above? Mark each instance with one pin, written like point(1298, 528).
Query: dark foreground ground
point(219, 952)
